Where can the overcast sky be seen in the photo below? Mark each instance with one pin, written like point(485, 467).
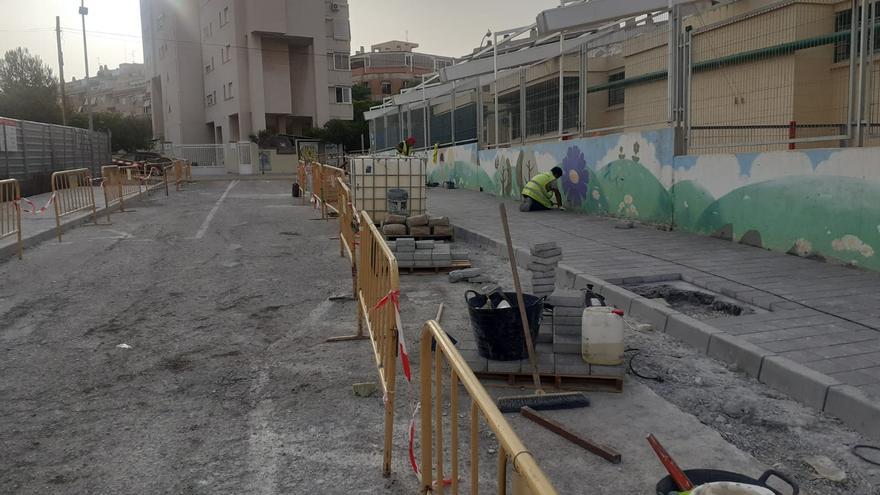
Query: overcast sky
point(443, 27)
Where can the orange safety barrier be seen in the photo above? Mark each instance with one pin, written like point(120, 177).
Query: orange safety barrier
point(526, 476)
point(112, 187)
point(129, 177)
point(329, 194)
point(10, 211)
point(73, 192)
point(347, 229)
point(378, 287)
point(315, 188)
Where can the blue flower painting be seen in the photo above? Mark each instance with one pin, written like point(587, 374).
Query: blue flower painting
point(575, 177)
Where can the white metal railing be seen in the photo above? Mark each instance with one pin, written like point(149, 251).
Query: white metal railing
point(201, 155)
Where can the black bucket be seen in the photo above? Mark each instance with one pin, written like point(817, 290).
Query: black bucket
point(499, 332)
point(702, 476)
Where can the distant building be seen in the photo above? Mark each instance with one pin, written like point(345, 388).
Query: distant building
point(392, 66)
point(123, 90)
point(223, 69)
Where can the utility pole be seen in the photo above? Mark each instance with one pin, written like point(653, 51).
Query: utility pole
point(61, 70)
point(83, 11)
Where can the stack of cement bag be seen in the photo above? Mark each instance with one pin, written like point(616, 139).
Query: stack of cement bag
point(542, 265)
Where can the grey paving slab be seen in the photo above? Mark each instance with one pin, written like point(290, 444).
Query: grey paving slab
point(797, 380)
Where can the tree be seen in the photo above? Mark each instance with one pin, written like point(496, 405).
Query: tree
point(28, 90)
point(127, 132)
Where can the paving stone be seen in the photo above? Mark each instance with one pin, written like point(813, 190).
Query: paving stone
point(537, 267)
point(804, 384)
point(428, 244)
point(543, 276)
point(408, 256)
point(551, 261)
point(690, 331)
point(567, 344)
point(405, 263)
point(651, 311)
point(567, 320)
point(460, 255)
point(549, 253)
point(571, 365)
point(543, 288)
point(732, 350)
point(574, 330)
point(543, 246)
point(405, 244)
point(507, 366)
point(855, 408)
point(459, 275)
point(440, 248)
point(562, 311)
point(477, 363)
point(854, 378)
point(422, 255)
point(423, 264)
point(566, 297)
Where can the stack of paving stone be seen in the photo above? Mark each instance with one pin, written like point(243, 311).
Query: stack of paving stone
point(542, 265)
point(568, 309)
point(411, 253)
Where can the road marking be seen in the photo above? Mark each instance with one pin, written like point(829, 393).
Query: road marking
point(207, 222)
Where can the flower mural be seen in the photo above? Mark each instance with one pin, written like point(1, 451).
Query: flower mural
point(575, 177)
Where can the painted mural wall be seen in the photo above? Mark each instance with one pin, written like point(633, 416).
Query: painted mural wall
point(624, 175)
point(820, 203)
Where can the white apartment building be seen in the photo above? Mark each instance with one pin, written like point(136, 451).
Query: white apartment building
point(223, 69)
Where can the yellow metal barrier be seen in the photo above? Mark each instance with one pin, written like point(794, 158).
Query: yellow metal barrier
point(10, 210)
point(302, 175)
point(187, 171)
point(112, 187)
point(329, 194)
point(315, 188)
point(526, 477)
point(347, 219)
point(129, 177)
point(73, 193)
point(378, 287)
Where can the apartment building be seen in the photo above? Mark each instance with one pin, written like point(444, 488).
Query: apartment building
point(223, 69)
point(124, 90)
point(393, 65)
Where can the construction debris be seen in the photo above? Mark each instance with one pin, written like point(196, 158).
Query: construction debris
point(366, 389)
point(602, 451)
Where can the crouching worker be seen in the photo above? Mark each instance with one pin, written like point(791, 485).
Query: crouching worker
point(540, 191)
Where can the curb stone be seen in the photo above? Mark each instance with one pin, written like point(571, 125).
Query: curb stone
point(691, 331)
point(854, 408)
point(808, 386)
point(733, 350)
point(651, 311)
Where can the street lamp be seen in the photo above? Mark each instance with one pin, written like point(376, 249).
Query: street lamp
point(84, 11)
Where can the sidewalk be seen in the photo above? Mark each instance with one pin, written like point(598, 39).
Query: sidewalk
point(819, 341)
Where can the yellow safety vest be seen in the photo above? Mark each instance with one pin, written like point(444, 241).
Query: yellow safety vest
point(537, 189)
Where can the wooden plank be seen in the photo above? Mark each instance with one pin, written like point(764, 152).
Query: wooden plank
point(600, 450)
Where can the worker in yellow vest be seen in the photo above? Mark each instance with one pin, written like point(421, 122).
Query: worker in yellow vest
point(540, 191)
point(405, 147)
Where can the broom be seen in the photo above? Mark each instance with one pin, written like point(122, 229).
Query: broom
point(540, 400)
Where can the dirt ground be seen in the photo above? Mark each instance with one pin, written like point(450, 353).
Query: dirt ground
point(144, 358)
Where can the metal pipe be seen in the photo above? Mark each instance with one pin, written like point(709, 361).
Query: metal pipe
point(863, 58)
point(561, 82)
point(854, 11)
point(495, 82)
point(83, 11)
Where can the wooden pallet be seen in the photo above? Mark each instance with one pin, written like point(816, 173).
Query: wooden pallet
point(553, 380)
point(431, 270)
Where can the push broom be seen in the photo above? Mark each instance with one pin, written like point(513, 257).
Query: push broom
point(539, 400)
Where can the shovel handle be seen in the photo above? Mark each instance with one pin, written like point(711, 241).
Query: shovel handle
point(681, 480)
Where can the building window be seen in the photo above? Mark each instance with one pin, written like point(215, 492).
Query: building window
point(224, 16)
point(210, 99)
point(616, 95)
point(843, 23)
point(210, 66)
point(225, 54)
point(386, 87)
point(160, 21)
point(227, 91)
point(343, 94)
point(439, 64)
point(341, 61)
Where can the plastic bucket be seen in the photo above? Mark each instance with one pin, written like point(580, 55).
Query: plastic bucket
point(498, 332)
point(703, 476)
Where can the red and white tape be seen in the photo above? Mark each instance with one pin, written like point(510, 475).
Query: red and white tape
point(394, 297)
point(33, 208)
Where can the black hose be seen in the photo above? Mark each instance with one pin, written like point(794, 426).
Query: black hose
point(855, 451)
point(657, 378)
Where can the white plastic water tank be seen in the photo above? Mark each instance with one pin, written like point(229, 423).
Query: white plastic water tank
point(602, 335)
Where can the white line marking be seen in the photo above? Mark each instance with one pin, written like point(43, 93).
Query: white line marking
point(207, 222)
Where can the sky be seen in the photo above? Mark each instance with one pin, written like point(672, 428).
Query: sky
point(441, 27)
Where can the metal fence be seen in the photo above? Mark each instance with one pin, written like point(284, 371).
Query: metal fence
point(781, 75)
point(32, 151)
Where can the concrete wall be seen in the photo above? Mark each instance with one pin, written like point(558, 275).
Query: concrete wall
point(818, 202)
